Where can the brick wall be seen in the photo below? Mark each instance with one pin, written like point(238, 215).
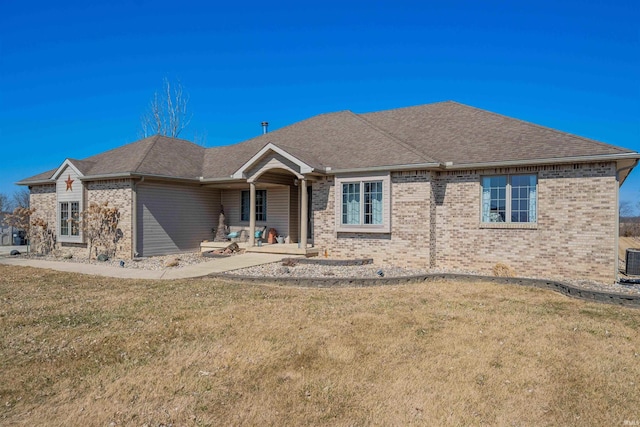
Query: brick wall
point(574, 236)
point(117, 193)
point(407, 244)
point(436, 223)
point(43, 199)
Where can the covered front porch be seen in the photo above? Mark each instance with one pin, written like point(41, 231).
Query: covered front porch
point(271, 191)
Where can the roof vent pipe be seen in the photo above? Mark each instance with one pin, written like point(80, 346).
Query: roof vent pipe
point(265, 127)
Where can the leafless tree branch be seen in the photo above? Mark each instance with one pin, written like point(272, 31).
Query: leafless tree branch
point(167, 113)
point(21, 198)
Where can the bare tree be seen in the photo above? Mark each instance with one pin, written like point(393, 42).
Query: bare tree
point(100, 227)
point(5, 206)
point(21, 219)
point(626, 208)
point(167, 113)
point(21, 198)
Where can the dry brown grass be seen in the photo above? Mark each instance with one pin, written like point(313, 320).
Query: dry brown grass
point(81, 350)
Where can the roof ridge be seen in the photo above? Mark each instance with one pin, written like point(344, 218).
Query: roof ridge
point(399, 141)
point(572, 135)
point(410, 106)
point(146, 152)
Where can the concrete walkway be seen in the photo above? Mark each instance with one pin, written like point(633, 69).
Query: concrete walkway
point(216, 265)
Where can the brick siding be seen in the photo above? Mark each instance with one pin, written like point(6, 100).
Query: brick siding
point(436, 223)
point(408, 243)
point(116, 193)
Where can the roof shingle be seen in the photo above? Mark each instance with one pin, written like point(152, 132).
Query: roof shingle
point(425, 134)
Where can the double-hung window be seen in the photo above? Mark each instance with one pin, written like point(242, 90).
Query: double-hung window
point(261, 205)
point(362, 203)
point(69, 218)
point(510, 198)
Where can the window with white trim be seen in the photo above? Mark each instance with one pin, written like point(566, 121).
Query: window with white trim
point(510, 198)
point(69, 218)
point(261, 205)
point(363, 203)
point(365, 209)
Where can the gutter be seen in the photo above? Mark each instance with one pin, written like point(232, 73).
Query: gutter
point(215, 180)
point(119, 175)
point(384, 168)
point(554, 160)
point(38, 182)
point(138, 175)
point(329, 170)
point(484, 165)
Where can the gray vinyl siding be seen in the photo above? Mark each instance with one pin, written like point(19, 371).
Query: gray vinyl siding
point(277, 210)
point(174, 218)
point(231, 205)
point(75, 194)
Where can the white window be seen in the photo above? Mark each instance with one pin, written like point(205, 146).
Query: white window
point(362, 210)
point(69, 218)
point(261, 205)
point(363, 204)
point(509, 198)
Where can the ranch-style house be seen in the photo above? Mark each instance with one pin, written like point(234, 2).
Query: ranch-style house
point(441, 185)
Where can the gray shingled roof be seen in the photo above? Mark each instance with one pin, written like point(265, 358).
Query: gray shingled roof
point(426, 134)
point(338, 140)
point(453, 132)
point(156, 155)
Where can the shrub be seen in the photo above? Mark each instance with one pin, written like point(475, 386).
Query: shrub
point(100, 227)
point(503, 270)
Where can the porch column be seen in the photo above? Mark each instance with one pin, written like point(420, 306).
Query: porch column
point(304, 202)
point(252, 213)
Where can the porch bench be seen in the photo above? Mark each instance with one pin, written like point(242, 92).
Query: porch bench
point(241, 234)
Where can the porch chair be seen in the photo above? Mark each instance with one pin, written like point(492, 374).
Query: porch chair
point(236, 236)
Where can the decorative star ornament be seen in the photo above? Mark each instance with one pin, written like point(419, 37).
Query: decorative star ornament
point(69, 182)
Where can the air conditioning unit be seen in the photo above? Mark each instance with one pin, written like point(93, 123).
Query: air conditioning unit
point(632, 261)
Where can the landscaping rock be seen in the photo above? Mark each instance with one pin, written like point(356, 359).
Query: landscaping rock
point(14, 252)
point(103, 257)
point(67, 256)
point(173, 262)
point(284, 270)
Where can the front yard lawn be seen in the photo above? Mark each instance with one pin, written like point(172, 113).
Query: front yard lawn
point(85, 350)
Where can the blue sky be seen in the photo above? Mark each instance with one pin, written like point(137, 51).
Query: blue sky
point(75, 77)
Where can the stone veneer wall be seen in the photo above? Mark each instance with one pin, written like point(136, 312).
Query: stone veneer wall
point(435, 222)
point(117, 193)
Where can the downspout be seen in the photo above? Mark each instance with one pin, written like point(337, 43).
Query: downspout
point(617, 234)
point(134, 218)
